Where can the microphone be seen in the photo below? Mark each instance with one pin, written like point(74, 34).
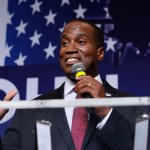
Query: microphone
point(79, 70)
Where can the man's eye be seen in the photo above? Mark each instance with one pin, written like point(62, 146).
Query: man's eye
point(65, 43)
point(82, 42)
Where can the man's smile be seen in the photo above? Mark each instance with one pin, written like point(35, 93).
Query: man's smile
point(71, 60)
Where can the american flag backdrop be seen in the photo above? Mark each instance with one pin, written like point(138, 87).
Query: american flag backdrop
point(30, 33)
point(31, 28)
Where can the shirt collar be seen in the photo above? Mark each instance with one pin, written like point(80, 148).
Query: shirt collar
point(98, 78)
point(69, 84)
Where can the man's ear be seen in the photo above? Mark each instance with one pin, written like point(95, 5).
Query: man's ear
point(100, 54)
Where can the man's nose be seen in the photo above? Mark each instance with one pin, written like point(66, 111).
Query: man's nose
point(72, 48)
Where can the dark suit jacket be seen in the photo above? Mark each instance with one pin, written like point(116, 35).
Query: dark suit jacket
point(21, 135)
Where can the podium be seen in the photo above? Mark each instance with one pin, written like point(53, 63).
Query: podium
point(141, 125)
point(142, 129)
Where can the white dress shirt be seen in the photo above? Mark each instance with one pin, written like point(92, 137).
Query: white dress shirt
point(69, 94)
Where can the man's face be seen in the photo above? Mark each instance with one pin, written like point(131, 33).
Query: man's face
point(78, 45)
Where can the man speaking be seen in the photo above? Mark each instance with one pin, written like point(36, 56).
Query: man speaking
point(102, 128)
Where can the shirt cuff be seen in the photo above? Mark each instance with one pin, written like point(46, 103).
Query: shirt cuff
point(103, 122)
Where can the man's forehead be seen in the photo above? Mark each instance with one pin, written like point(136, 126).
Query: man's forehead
point(76, 26)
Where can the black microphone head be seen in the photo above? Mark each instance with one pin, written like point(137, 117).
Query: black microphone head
point(77, 67)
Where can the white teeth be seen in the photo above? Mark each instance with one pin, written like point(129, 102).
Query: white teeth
point(72, 59)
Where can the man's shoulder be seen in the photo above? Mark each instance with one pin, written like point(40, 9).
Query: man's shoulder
point(54, 94)
point(114, 91)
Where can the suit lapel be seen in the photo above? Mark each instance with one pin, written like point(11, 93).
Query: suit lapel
point(90, 129)
point(60, 120)
point(113, 92)
point(109, 90)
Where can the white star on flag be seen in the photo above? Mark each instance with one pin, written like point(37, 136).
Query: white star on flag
point(80, 11)
point(61, 29)
point(110, 44)
point(65, 2)
point(36, 7)
point(20, 1)
point(20, 60)
point(21, 28)
point(99, 25)
point(8, 18)
point(50, 18)
point(50, 50)
point(107, 12)
point(35, 38)
point(7, 50)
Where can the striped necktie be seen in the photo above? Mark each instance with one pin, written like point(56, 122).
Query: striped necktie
point(79, 125)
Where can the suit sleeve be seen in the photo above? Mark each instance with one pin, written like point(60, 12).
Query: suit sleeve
point(19, 134)
point(116, 133)
point(12, 138)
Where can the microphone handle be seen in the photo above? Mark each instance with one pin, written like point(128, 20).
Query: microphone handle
point(87, 95)
point(90, 110)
